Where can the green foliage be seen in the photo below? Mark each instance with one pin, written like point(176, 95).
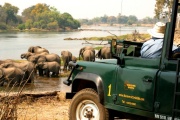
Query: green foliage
point(3, 26)
point(52, 25)
point(37, 25)
point(3, 14)
point(163, 8)
point(28, 24)
point(11, 12)
point(21, 26)
point(39, 16)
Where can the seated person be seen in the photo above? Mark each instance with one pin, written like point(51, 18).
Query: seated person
point(152, 48)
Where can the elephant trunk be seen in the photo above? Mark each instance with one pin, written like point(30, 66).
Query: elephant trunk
point(22, 56)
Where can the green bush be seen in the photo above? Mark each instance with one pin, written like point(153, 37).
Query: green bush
point(52, 25)
point(21, 26)
point(3, 26)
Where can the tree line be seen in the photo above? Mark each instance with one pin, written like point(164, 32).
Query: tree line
point(39, 16)
point(120, 19)
point(43, 16)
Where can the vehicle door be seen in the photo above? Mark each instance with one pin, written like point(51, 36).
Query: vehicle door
point(136, 83)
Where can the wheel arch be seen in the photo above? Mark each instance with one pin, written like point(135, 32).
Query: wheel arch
point(88, 80)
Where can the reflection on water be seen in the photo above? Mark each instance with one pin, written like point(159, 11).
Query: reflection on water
point(41, 85)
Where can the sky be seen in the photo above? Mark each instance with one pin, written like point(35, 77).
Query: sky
point(88, 9)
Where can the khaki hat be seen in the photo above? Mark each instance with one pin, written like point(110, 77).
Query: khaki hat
point(158, 30)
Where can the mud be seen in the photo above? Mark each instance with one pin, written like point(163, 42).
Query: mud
point(40, 85)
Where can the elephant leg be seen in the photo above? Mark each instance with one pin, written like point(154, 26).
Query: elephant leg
point(47, 73)
point(26, 77)
point(70, 67)
point(1, 82)
point(30, 77)
point(65, 67)
point(53, 74)
point(40, 72)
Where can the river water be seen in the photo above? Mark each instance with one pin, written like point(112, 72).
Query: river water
point(13, 44)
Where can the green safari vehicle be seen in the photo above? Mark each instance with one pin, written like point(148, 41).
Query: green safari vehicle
point(128, 86)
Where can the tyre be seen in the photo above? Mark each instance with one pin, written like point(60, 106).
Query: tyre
point(86, 105)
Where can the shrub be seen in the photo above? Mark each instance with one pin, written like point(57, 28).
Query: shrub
point(52, 25)
point(21, 26)
point(3, 26)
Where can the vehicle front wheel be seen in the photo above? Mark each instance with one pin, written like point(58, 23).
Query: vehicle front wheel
point(86, 105)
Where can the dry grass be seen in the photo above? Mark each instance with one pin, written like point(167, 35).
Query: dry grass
point(47, 106)
point(8, 104)
point(43, 108)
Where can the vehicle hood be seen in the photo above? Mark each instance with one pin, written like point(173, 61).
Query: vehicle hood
point(107, 61)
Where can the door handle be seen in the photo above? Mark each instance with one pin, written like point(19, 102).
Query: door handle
point(147, 80)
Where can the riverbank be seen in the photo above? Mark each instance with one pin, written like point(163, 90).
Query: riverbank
point(82, 28)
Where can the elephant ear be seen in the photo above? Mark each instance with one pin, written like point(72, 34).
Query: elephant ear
point(30, 49)
point(82, 51)
point(42, 65)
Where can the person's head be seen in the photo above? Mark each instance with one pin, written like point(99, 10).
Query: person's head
point(158, 30)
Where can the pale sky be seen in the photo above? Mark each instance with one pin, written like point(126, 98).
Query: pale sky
point(93, 8)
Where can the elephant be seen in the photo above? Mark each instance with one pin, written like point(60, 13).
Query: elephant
point(88, 55)
point(26, 66)
point(28, 54)
point(4, 61)
point(104, 53)
point(86, 48)
point(11, 75)
point(118, 49)
point(74, 59)
point(50, 67)
point(44, 58)
point(37, 49)
point(66, 57)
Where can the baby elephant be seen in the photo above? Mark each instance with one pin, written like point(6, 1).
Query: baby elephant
point(53, 67)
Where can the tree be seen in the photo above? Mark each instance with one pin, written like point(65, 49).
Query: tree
point(163, 8)
point(11, 12)
point(39, 8)
point(104, 19)
point(132, 19)
point(111, 19)
point(66, 20)
point(26, 13)
point(3, 15)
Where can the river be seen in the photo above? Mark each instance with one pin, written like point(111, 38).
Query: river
point(15, 43)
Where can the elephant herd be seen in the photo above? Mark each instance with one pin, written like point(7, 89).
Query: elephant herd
point(40, 61)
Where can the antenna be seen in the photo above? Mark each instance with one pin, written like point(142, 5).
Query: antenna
point(121, 15)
